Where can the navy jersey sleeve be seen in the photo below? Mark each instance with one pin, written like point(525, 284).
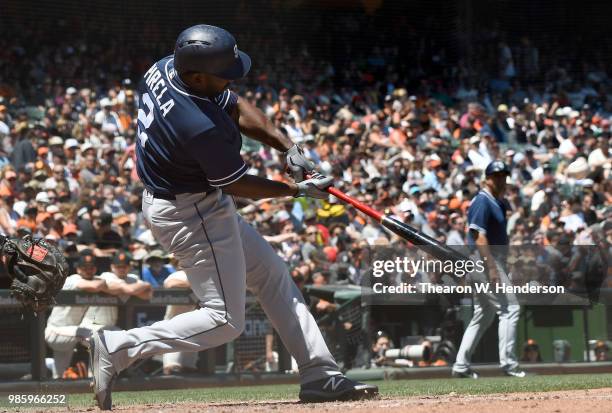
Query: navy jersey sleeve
point(227, 100)
point(218, 157)
point(478, 214)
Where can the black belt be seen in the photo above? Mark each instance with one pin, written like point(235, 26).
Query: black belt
point(171, 197)
point(167, 197)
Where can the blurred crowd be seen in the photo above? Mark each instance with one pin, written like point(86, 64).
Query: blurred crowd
point(67, 149)
point(415, 150)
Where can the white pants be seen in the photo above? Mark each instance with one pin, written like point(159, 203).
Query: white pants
point(222, 255)
point(62, 341)
point(486, 305)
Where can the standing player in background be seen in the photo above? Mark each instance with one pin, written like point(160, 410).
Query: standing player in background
point(487, 232)
point(189, 126)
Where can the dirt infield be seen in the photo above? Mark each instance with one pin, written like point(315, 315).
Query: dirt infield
point(583, 401)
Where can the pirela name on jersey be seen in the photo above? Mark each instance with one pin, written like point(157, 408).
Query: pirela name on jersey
point(157, 86)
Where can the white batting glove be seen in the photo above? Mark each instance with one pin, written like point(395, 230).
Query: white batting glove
point(298, 164)
point(315, 186)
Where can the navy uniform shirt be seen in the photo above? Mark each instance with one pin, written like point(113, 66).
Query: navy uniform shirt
point(487, 215)
point(186, 143)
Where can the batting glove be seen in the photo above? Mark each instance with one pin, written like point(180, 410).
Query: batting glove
point(298, 164)
point(315, 186)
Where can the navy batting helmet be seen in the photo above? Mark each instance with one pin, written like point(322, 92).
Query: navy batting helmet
point(496, 167)
point(210, 49)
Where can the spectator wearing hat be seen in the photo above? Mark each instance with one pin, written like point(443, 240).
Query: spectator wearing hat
point(56, 149)
point(59, 219)
point(294, 128)
point(65, 326)
point(433, 227)
point(502, 125)
point(601, 351)
point(70, 149)
point(42, 157)
point(42, 201)
point(124, 229)
point(106, 237)
point(44, 224)
point(107, 118)
point(531, 352)
point(120, 282)
point(70, 233)
point(87, 231)
point(156, 268)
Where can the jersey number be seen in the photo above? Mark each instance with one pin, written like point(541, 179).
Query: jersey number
point(145, 118)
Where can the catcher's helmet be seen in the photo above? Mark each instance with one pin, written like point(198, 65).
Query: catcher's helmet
point(209, 49)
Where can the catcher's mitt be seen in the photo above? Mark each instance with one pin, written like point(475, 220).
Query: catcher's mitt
point(37, 268)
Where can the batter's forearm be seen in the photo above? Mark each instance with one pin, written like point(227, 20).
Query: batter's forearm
point(255, 187)
point(256, 125)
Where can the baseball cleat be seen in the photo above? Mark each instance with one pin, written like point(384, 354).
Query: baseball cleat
point(515, 373)
point(468, 374)
point(336, 388)
point(103, 372)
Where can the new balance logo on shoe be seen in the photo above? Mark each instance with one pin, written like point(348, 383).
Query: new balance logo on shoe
point(333, 383)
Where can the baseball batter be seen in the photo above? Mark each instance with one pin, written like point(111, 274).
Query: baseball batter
point(189, 161)
point(487, 226)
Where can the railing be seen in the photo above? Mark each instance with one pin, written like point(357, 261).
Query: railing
point(161, 298)
point(351, 300)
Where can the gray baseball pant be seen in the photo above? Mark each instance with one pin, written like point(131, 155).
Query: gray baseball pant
point(187, 359)
point(486, 305)
point(222, 255)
